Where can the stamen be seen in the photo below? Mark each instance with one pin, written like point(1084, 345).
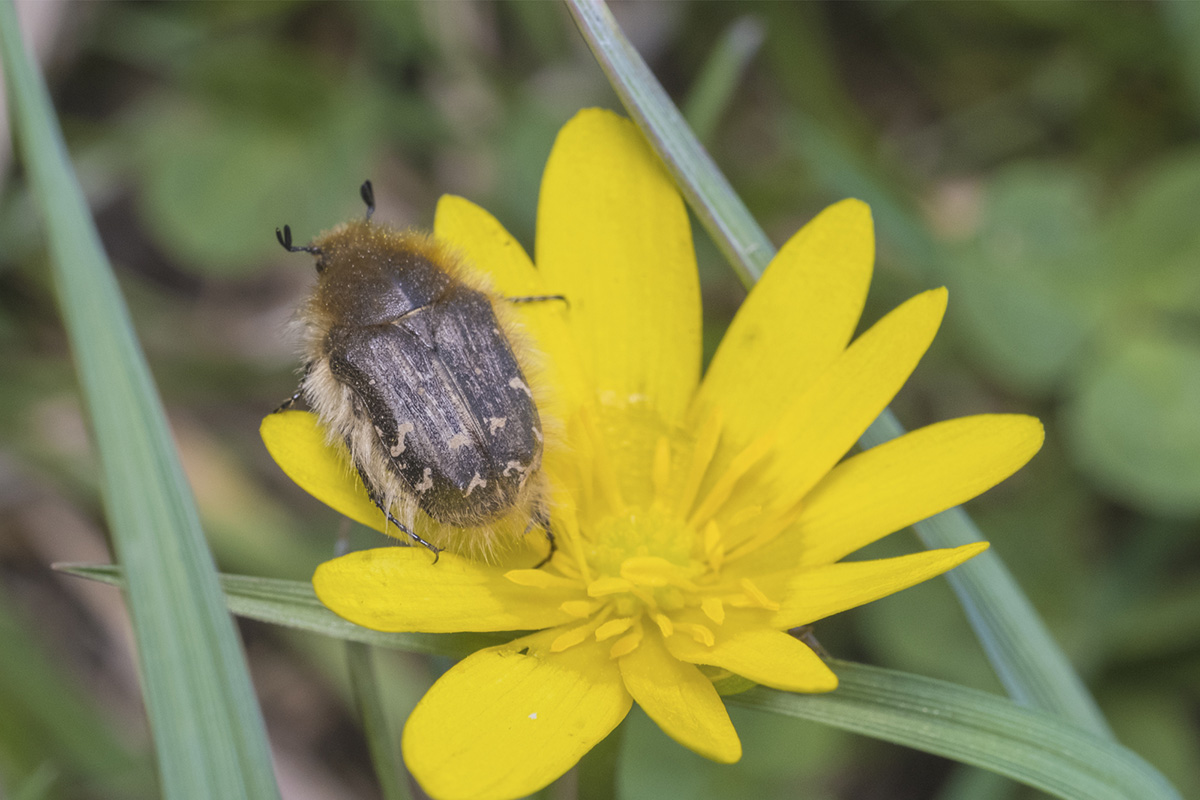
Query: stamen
point(703, 635)
point(606, 475)
point(702, 453)
point(570, 531)
point(657, 572)
point(580, 633)
point(581, 609)
point(665, 625)
point(570, 638)
point(661, 475)
point(607, 585)
point(614, 627)
point(646, 596)
point(577, 433)
point(714, 548)
point(765, 532)
point(745, 515)
point(714, 609)
point(562, 562)
point(627, 643)
point(756, 595)
point(723, 488)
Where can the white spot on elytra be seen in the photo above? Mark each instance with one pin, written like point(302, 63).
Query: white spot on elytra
point(519, 385)
point(536, 434)
point(478, 371)
point(475, 481)
point(402, 430)
point(495, 424)
point(460, 439)
point(519, 468)
point(426, 481)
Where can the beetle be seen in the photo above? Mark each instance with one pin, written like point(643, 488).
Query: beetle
point(413, 364)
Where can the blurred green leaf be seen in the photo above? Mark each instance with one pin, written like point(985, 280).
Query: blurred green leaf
point(597, 770)
point(1149, 717)
point(1153, 240)
point(38, 785)
point(779, 755)
point(51, 728)
point(1029, 289)
point(1162, 625)
point(209, 734)
point(261, 128)
point(714, 86)
point(1134, 422)
point(389, 769)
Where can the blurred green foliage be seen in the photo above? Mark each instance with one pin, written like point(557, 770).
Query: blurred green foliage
point(1040, 159)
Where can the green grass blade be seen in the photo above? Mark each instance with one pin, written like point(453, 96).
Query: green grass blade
point(384, 756)
point(208, 732)
point(1026, 658)
point(988, 731)
point(293, 604)
point(715, 85)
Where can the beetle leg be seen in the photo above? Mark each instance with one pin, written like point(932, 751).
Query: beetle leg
point(371, 493)
point(286, 405)
point(539, 518)
point(437, 552)
point(539, 298)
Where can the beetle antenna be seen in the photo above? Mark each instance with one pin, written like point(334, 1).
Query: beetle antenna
point(285, 239)
point(368, 196)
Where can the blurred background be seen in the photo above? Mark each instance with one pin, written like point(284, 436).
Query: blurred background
point(1040, 159)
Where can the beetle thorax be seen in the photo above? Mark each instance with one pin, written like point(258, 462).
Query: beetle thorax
point(369, 275)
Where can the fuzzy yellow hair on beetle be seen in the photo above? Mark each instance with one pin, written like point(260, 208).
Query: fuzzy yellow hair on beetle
point(411, 364)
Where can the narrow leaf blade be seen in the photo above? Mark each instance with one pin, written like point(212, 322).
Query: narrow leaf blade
point(208, 731)
point(985, 730)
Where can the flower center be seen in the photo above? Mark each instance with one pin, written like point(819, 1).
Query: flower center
point(639, 533)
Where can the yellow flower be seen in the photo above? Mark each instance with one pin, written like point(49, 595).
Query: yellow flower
point(697, 520)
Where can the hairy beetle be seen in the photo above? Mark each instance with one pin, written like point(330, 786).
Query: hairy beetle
point(409, 362)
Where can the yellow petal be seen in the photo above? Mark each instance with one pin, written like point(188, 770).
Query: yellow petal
point(795, 322)
point(680, 700)
point(817, 593)
point(898, 483)
point(402, 589)
point(492, 250)
point(502, 724)
point(613, 236)
point(820, 426)
point(297, 443)
point(763, 655)
point(487, 246)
